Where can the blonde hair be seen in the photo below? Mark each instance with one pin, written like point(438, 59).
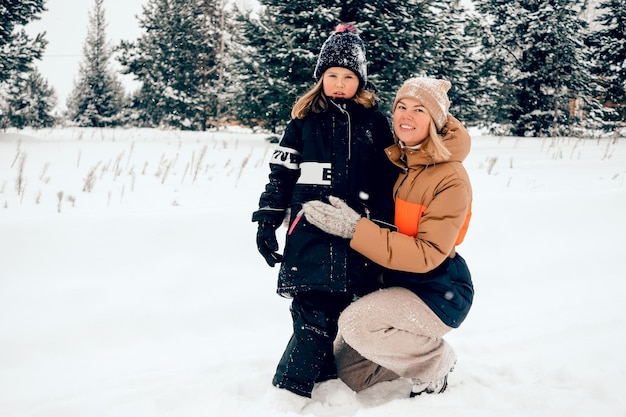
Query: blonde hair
point(434, 146)
point(316, 101)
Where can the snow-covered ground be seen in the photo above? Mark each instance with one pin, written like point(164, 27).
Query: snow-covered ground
point(130, 283)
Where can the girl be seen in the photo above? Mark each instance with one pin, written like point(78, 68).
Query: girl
point(335, 137)
point(427, 288)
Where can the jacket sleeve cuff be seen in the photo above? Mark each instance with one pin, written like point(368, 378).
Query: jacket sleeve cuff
point(268, 214)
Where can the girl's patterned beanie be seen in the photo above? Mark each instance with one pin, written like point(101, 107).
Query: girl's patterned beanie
point(432, 93)
point(344, 48)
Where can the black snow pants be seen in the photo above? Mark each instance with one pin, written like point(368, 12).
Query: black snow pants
point(309, 357)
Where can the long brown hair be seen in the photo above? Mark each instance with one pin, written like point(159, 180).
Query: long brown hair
point(316, 101)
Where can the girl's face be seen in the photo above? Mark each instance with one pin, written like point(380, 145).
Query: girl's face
point(411, 121)
point(340, 82)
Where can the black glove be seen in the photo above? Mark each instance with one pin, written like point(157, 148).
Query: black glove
point(267, 243)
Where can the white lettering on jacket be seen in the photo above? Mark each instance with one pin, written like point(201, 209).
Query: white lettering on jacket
point(318, 173)
point(286, 157)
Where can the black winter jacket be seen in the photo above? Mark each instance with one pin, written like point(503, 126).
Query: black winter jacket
point(338, 152)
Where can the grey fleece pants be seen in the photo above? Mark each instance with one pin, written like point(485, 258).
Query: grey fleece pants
point(388, 334)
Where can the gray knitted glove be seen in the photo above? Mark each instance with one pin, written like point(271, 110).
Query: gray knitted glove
point(336, 218)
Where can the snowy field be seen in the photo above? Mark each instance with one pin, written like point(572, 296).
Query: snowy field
point(130, 283)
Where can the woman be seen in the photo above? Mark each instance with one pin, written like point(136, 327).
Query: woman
point(336, 134)
point(426, 287)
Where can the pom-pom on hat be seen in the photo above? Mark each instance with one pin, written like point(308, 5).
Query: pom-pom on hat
point(344, 48)
point(432, 93)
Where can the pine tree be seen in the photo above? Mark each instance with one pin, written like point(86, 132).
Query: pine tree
point(97, 96)
point(536, 54)
point(402, 38)
point(181, 62)
point(30, 101)
point(276, 57)
point(454, 58)
point(610, 55)
point(17, 49)
point(217, 79)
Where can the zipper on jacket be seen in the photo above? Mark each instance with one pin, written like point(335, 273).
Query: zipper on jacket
point(395, 192)
point(347, 114)
point(406, 176)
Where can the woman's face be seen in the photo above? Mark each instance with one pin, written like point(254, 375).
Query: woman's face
point(411, 121)
point(340, 82)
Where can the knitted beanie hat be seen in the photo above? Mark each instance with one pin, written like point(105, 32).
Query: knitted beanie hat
point(344, 48)
point(432, 93)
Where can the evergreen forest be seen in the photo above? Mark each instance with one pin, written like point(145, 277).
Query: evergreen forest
point(517, 67)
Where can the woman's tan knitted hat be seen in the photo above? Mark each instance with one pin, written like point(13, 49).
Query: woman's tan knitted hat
point(432, 93)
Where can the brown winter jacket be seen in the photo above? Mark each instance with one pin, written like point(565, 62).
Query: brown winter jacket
point(433, 208)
